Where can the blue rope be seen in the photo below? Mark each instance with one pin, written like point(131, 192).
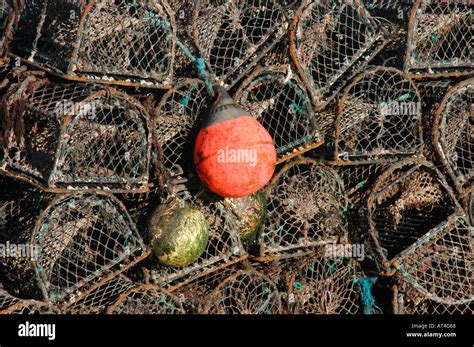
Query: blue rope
point(199, 63)
point(365, 286)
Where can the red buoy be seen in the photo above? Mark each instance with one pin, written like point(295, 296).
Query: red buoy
point(234, 154)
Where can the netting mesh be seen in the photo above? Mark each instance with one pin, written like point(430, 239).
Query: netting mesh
point(119, 42)
point(379, 117)
point(223, 248)
point(20, 204)
point(176, 120)
point(12, 305)
point(146, 299)
point(454, 131)
point(441, 267)
point(278, 100)
point(324, 285)
point(359, 178)
point(7, 16)
point(71, 135)
point(306, 204)
point(411, 301)
point(79, 241)
point(246, 292)
point(440, 37)
point(100, 299)
point(330, 42)
point(409, 200)
point(232, 34)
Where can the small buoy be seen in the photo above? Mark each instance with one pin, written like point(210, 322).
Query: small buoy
point(234, 154)
point(178, 233)
point(250, 213)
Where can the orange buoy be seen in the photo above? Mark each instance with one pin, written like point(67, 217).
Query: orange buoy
point(234, 154)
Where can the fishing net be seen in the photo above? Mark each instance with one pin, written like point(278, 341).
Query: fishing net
point(176, 121)
point(12, 305)
point(78, 242)
point(440, 267)
point(408, 200)
point(119, 42)
point(245, 292)
point(306, 205)
point(146, 299)
point(73, 136)
point(7, 19)
point(330, 42)
point(324, 285)
point(196, 295)
point(100, 299)
point(278, 100)
point(234, 35)
point(408, 300)
point(440, 38)
point(379, 118)
point(359, 178)
point(223, 248)
point(20, 204)
point(454, 132)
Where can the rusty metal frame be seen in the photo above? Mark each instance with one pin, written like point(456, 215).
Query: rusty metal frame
point(439, 143)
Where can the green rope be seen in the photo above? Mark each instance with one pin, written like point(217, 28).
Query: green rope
point(365, 286)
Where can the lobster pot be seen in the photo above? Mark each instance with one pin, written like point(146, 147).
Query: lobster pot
point(409, 200)
point(146, 299)
point(223, 249)
point(73, 136)
point(176, 121)
point(306, 209)
point(233, 35)
point(408, 300)
point(100, 299)
point(330, 42)
point(453, 135)
point(440, 38)
point(278, 100)
point(324, 285)
point(379, 118)
point(245, 292)
point(122, 42)
point(12, 305)
point(78, 242)
point(440, 267)
point(7, 20)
